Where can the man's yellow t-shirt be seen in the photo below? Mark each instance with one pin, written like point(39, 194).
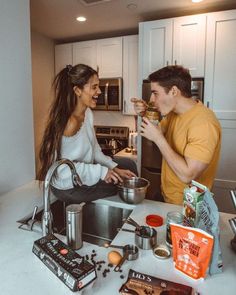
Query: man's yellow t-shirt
point(196, 134)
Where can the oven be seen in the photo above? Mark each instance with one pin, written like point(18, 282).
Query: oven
point(112, 139)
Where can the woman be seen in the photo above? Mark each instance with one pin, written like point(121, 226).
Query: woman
point(70, 134)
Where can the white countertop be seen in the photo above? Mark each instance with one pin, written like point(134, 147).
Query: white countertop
point(22, 273)
point(124, 154)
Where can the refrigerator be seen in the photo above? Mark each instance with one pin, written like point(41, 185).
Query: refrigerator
point(151, 157)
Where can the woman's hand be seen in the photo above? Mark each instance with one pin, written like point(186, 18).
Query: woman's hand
point(112, 176)
point(123, 173)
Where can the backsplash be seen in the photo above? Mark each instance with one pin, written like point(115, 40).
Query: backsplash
point(113, 118)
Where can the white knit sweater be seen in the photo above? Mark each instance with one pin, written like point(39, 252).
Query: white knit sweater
point(83, 149)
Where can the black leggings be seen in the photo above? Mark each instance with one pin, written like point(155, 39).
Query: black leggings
point(99, 190)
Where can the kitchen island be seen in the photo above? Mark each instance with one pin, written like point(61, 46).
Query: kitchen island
point(22, 273)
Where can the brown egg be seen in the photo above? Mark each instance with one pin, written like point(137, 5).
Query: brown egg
point(114, 257)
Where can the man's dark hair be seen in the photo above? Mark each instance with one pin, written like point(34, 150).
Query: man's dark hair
point(170, 76)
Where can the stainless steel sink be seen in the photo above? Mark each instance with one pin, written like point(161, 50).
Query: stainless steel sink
point(100, 221)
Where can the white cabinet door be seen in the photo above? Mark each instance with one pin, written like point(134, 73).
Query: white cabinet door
point(109, 57)
point(220, 93)
point(63, 56)
point(130, 72)
point(86, 53)
point(156, 45)
point(220, 81)
point(189, 43)
point(173, 41)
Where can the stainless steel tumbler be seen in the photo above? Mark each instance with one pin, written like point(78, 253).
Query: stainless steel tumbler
point(74, 225)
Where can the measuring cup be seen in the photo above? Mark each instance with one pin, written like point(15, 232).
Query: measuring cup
point(130, 252)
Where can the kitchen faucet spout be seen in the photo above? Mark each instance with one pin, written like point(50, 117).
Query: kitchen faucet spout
point(47, 218)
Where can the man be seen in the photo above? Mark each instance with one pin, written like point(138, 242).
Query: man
point(189, 135)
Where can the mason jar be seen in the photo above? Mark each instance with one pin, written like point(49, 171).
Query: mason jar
point(172, 217)
point(152, 114)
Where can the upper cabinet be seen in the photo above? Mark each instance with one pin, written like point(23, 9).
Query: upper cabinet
point(104, 55)
point(63, 56)
point(173, 41)
point(155, 43)
point(130, 72)
point(189, 43)
point(85, 52)
point(220, 90)
point(109, 57)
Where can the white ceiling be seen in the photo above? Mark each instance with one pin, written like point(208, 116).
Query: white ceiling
point(57, 18)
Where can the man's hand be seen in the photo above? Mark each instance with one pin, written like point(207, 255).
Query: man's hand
point(140, 106)
point(151, 131)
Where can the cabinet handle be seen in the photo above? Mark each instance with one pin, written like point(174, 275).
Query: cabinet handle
point(175, 62)
point(106, 95)
point(208, 104)
point(167, 63)
point(124, 106)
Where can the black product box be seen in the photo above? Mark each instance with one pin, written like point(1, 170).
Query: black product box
point(71, 268)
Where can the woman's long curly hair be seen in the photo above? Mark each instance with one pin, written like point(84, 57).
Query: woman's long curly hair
point(61, 109)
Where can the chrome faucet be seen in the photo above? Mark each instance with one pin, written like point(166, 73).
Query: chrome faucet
point(47, 217)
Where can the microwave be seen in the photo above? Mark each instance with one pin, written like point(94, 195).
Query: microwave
point(111, 97)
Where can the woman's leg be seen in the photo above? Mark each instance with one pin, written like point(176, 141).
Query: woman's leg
point(86, 193)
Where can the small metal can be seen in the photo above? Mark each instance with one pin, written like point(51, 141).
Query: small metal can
point(172, 217)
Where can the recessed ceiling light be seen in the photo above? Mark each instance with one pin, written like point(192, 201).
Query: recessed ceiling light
point(132, 6)
point(196, 1)
point(81, 19)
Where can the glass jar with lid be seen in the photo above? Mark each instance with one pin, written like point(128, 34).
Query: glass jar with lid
point(172, 217)
point(152, 114)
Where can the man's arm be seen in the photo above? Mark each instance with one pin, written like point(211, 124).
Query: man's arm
point(185, 168)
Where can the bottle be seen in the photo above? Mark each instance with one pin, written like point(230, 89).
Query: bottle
point(74, 225)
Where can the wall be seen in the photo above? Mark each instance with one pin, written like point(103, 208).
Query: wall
point(113, 119)
point(16, 117)
point(42, 78)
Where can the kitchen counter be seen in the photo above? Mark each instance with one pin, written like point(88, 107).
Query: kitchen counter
point(22, 273)
point(124, 154)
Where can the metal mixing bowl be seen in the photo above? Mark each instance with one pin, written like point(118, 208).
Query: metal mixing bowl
point(133, 190)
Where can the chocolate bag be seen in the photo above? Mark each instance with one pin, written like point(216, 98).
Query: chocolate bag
point(192, 250)
point(143, 284)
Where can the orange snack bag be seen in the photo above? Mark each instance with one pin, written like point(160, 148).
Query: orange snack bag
point(192, 249)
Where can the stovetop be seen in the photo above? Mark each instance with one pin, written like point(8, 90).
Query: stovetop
point(116, 132)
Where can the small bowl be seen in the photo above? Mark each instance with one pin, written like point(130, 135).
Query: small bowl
point(133, 190)
point(161, 252)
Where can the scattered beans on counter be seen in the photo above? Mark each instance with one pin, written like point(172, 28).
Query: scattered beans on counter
point(99, 264)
